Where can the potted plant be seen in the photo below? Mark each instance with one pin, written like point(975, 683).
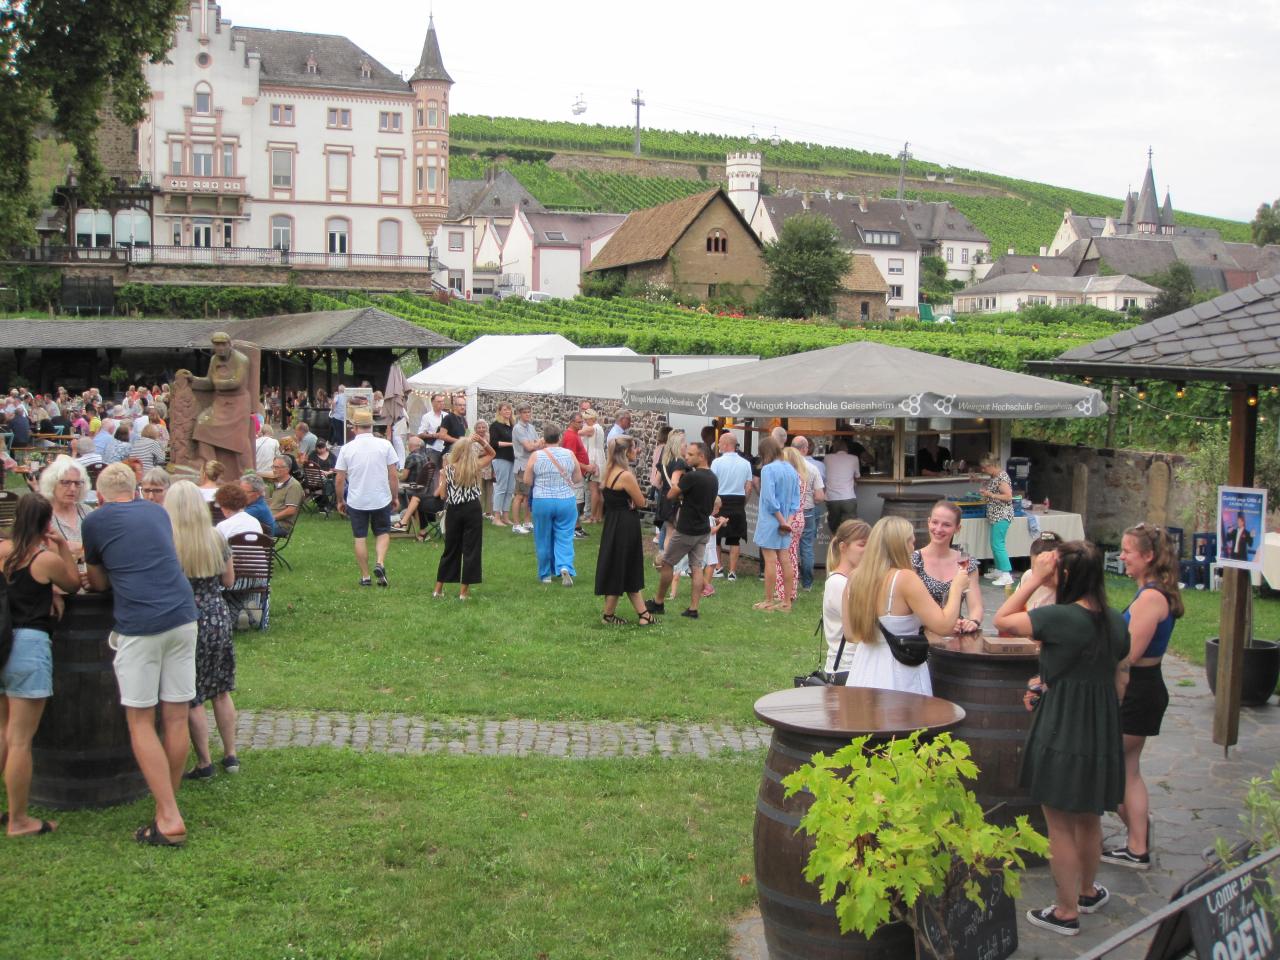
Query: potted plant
point(894, 827)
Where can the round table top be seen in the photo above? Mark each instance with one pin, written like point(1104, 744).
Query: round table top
point(974, 646)
point(855, 711)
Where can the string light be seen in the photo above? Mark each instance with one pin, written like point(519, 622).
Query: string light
point(1142, 391)
point(1140, 398)
point(1253, 396)
point(1181, 391)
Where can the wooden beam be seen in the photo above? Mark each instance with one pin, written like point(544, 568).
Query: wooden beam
point(1234, 622)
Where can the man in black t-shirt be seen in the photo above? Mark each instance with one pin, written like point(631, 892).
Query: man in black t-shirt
point(696, 492)
point(454, 423)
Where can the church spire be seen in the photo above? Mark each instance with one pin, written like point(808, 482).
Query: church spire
point(1146, 215)
point(431, 65)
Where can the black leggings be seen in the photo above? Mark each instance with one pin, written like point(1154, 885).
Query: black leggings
point(463, 534)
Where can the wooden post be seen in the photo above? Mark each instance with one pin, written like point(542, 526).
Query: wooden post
point(328, 371)
point(1237, 587)
point(1113, 411)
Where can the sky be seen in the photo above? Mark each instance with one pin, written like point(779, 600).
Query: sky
point(1067, 93)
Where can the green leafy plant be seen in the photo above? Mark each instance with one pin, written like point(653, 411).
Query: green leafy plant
point(1261, 819)
point(895, 822)
point(118, 376)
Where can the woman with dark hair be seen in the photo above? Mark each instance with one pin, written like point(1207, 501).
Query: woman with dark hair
point(937, 561)
point(620, 567)
point(1150, 557)
point(1047, 592)
point(34, 561)
point(1073, 764)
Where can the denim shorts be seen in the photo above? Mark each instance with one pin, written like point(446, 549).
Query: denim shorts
point(362, 520)
point(29, 673)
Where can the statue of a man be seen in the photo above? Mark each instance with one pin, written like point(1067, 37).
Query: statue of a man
point(224, 430)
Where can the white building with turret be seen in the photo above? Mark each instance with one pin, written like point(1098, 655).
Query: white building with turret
point(742, 170)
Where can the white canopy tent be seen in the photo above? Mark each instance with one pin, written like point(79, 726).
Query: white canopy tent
point(494, 363)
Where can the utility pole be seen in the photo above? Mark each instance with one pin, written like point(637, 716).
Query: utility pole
point(635, 147)
point(903, 157)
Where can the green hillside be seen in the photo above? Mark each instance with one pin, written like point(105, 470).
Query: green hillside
point(1025, 217)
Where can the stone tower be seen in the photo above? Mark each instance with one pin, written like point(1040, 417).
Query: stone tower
point(430, 84)
point(743, 173)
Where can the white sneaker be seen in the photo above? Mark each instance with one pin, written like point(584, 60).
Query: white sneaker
point(565, 578)
point(1004, 580)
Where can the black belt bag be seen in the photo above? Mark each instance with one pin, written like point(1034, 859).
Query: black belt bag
point(911, 650)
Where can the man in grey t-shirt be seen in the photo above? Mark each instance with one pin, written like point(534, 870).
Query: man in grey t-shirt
point(525, 439)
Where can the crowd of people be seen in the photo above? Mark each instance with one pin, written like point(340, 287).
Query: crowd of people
point(151, 538)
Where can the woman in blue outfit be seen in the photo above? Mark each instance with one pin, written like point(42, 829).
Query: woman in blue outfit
point(779, 499)
point(553, 472)
point(1150, 557)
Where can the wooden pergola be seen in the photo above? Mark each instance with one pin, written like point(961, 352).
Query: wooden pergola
point(1234, 340)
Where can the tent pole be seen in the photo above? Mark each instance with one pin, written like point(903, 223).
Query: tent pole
point(1237, 585)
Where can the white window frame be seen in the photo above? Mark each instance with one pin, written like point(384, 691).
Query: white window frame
point(897, 266)
point(951, 254)
point(337, 241)
point(279, 182)
point(895, 291)
point(281, 232)
point(202, 159)
point(457, 241)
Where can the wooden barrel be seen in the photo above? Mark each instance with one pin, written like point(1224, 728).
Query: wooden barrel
point(989, 687)
point(806, 720)
point(915, 507)
point(81, 755)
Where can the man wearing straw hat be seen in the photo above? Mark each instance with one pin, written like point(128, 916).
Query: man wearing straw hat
point(366, 484)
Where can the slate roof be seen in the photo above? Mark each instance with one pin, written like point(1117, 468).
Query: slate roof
point(1147, 209)
point(1049, 283)
point(1233, 338)
point(648, 235)
point(364, 327)
point(940, 221)
point(849, 218)
point(284, 61)
point(577, 228)
point(489, 198)
point(1059, 266)
point(431, 65)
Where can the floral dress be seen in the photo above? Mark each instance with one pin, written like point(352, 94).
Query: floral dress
point(796, 522)
point(215, 652)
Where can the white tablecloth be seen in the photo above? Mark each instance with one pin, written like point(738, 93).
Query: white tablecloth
point(975, 533)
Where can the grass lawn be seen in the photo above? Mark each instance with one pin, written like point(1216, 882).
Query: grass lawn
point(519, 648)
point(323, 854)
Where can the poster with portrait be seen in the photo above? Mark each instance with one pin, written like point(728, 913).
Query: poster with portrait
point(1242, 513)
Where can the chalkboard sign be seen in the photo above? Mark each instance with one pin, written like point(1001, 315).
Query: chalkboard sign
point(987, 932)
point(1228, 924)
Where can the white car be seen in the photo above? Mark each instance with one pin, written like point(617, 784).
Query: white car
point(537, 296)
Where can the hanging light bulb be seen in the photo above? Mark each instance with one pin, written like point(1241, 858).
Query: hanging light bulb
point(1181, 392)
point(1142, 391)
point(1253, 396)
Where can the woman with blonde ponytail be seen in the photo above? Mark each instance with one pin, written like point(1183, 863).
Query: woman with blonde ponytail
point(885, 590)
point(843, 556)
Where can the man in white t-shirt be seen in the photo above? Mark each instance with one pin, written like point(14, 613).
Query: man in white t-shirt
point(265, 451)
point(843, 471)
point(733, 472)
point(430, 429)
point(366, 484)
point(814, 495)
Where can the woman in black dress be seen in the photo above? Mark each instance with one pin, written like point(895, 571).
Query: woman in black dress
point(620, 567)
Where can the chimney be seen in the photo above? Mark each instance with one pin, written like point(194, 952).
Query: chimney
point(1044, 251)
point(804, 200)
point(862, 202)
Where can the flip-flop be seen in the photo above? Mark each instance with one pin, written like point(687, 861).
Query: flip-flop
point(151, 836)
point(45, 827)
point(764, 605)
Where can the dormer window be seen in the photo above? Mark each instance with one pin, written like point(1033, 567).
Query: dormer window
point(717, 242)
point(312, 65)
point(204, 99)
point(366, 70)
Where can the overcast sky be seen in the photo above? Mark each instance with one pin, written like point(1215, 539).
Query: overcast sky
point(1066, 93)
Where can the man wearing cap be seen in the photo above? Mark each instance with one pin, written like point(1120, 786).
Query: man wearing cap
point(366, 484)
point(223, 431)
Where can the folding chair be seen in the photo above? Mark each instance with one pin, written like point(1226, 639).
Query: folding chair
point(282, 541)
point(251, 558)
point(8, 507)
point(313, 486)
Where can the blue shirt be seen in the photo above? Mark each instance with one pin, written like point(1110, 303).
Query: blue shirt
point(1164, 629)
point(260, 510)
point(133, 542)
point(339, 407)
point(550, 483)
point(779, 489)
point(733, 471)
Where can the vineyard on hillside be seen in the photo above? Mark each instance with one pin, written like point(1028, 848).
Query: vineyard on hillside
point(1025, 219)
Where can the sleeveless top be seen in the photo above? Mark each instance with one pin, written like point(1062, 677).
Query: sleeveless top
point(30, 602)
point(901, 624)
point(1164, 629)
point(938, 589)
point(456, 493)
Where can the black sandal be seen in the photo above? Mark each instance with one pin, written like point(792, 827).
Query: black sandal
point(646, 619)
point(612, 620)
point(151, 836)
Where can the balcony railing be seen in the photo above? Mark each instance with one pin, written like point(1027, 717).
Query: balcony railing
point(197, 183)
point(231, 256)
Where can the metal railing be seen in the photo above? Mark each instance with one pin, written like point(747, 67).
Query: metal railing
point(234, 256)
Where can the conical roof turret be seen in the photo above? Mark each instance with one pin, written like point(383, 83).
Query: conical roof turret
point(1126, 215)
point(431, 66)
point(1148, 209)
point(1166, 212)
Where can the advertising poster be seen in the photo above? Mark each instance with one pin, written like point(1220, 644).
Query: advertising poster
point(1242, 513)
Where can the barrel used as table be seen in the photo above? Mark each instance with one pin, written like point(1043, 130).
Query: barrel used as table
point(915, 507)
point(806, 720)
point(988, 683)
point(81, 755)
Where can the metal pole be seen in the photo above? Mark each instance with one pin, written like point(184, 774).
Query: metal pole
point(635, 148)
point(903, 157)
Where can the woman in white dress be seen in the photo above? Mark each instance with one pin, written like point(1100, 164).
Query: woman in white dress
point(884, 589)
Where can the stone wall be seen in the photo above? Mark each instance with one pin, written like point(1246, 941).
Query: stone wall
point(1112, 489)
point(391, 280)
point(556, 408)
point(117, 146)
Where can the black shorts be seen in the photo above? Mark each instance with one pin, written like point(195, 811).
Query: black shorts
point(362, 520)
point(1145, 701)
point(734, 509)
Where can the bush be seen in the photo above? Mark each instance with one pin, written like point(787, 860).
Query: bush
point(165, 301)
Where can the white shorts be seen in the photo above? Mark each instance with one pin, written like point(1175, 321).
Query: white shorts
point(162, 664)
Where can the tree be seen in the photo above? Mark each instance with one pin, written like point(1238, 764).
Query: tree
point(1265, 226)
point(74, 56)
point(1177, 292)
point(806, 265)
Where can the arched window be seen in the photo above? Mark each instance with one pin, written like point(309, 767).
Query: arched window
point(133, 228)
point(93, 228)
point(281, 232)
point(204, 98)
point(338, 230)
point(389, 238)
point(717, 242)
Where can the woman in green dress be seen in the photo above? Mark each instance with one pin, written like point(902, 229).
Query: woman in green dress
point(1073, 764)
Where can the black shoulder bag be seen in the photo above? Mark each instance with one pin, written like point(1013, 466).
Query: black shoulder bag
point(910, 651)
point(824, 678)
